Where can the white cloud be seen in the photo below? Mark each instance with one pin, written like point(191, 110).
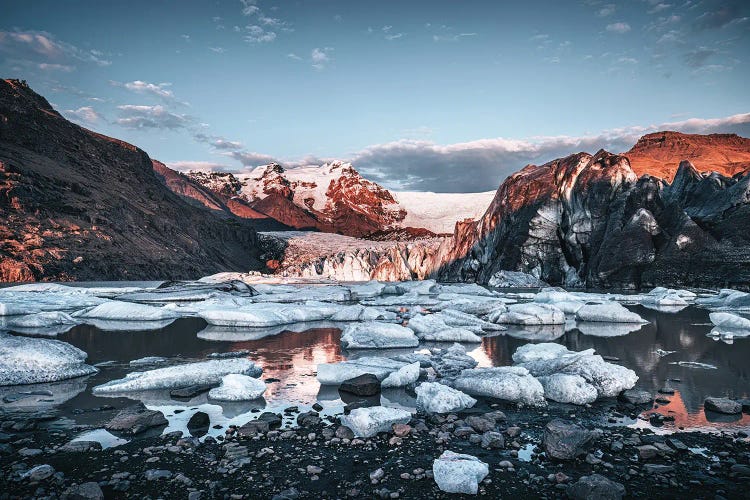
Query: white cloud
point(47, 52)
point(143, 117)
point(618, 28)
point(85, 114)
point(159, 90)
point(204, 166)
point(218, 142)
point(607, 10)
point(320, 57)
point(257, 34)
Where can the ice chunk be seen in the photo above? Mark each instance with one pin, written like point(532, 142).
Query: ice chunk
point(189, 291)
point(477, 306)
point(529, 314)
point(515, 279)
point(268, 314)
point(545, 333)
point(367, 289)
point(403, 376)
point(661, 297)
point(367, 422)
point(536, 352)
point(433, 397)
point(115, 310)
point(17, 301)
point(458, 473)
point(41, 320)
point(466, 289)
point(729, 321)
point(460, 319)
point(598, 329)
point(510, 383)
point(433, 327)
point(336, 373)
point(565, 388)
point(451, 361)
point(236, 387)
point(362, 313)
point(727, 299)
point(611, 312)
point(148, 361)
point(373, 335)
point(31, 360)
point(172, 377)
point(331, 293)
point(566, 302)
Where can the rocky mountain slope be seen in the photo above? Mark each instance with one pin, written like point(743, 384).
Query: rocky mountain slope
point(75, 204)
point(335, 198)
point(660, 153)
point(588, 220)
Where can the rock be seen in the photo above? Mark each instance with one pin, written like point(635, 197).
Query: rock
point(156, 474)
point(363, 385)
point(566, 441)
point(85, 491)
point(189, 392)
point(199, 423)
point(492, 439)
point(401, 430)
point(647, 451)
point(723, 405)
point(80, 447)
point(367, 422)
point(658, 468)
point(39, 473)
point(458, 473)
point(290, 494)
point(480, 424)
point(636, 396)
point(136, 419)
point(344, 432)
point(307, 419)
point(595, 487)
point(433, 397)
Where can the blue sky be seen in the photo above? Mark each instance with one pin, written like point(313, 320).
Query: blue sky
point(422, 95)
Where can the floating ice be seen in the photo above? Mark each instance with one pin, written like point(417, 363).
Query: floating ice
point(172, 377)
point(41, 320)
point(367, 289)
point(529, 314)
point(189, 291)
point(661, 296)
point(20, 299)
point(236, 387)
point(727, 299)
point(268, 314)
point(115, 310)
point(466, 289)
point(433, 397)
point(694, 364)
point(510, 383)
point(336, 373)
point(545, 333)
point(372, 335)
point(148, 361)
point(31, 360)
point(727, 320)
point(361, 313)
point(433, 327)
point(367, 422)
point(458, 473)
point(565, 388)
point(455, 318)
point(611, 312)
point(599, 329)
point(331, 293)
point(566, 302)
point(403, 376)
point(451, 361)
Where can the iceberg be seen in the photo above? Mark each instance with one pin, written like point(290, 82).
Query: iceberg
point(433, 397)
point(32, 360)
point(336, 373)
point(403, 376)
point(362, 313)
point(529, 314)
point(173, 377)
point(433, 327)
point(565, 388)
point(373, 335)
point(115, 310)
point(458, 473)
point(595, 329)
point(367, 422)
point(729, 321)
point(727, 299)
point(509, 383)
point(661, 297)
point(451, 361)
point(268, 314)
point(20, 300)
point(236, 387)
point(515, 279)
point(611, 312)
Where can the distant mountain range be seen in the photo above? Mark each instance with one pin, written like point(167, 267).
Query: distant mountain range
point(75, 204)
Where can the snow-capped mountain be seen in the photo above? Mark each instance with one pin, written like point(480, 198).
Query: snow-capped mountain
point(335, 198)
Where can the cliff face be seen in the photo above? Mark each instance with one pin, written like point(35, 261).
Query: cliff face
point(589, 220)
point(75, 204)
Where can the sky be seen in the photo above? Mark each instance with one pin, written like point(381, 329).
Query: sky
point(427, 95)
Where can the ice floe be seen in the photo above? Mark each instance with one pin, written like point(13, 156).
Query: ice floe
point(237, 387)
point(529, 314)
point(566, 388)
point(373, 335)
point(459, 473)
point(403, 376)
point(610, 313)
point(367, 422)
point(729, 321)
point(510, 383)
point(115, 310)
point(433, 397)
point(172, 377)
point(336, 373)
point(515, 279)
point(433, 327)
point(727, 299)
point(31, 360)
point(22, 300)
point(268, 314)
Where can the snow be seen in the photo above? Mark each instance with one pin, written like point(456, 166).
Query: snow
point(459, 473)
point(336, 373)
point(433, 397)
point(367, 422)
point(529, 314)
point(172, 377)
point(510, 383)
point(237, 387)
point(32, 360)
point(611, 312)
point(127, 311)
point(373, 335)
point(729, 321)
point(566, 388)
point(439, 212)
point(403, 376)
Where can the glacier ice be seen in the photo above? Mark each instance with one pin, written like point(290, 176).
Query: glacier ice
point(373, 335)
point(566, 388)
point(115, 310)
point(433, 397)
point(268, 314)
point(529, 313)
point(173, 377)
point(510, 383)
point(611, 312)
point(459, 473)
point(237, 387)
point(729, 321)
point(403, 376)
point(433, 327)
point(367, 422)
point(336, 373)
point(32, 360)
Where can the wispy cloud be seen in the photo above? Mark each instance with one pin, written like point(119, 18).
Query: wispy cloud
point(46, 52)
point(203, 166)
point(320, 57)
point(606, 10)
point(218, 142)
point(618, 28)
point(145, 117)
point(160, 90)
point(85, 114)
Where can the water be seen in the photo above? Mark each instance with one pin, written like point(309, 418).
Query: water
point(292, 358)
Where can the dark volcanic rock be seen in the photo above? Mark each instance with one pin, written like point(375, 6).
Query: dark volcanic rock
point(189, 392)
point(75, 204)
point(566, 441)
point(636, 396)
point(364, 385)
point(199, 423)
point(595, 487)
point(723, 405)
point(136, 419)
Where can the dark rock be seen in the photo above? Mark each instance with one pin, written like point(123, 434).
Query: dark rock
point(136, 419)
point(308, 419)
point(290, 494)
point(317, 407)
point(723, 405)
point(274, 419)
point(658, 468)
point(492, 439)
point(344, 432)
point(254, 427)
point(80, 447)
point(480, 424)
point(85, 491)
point(39, 473)
point(566, 441)
point(189, 392)
point(741, 470)
point(199, 423)
point(364, 385)
point(595, 487)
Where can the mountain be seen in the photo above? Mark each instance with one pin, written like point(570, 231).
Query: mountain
point(75, 204)
point(660, 153)
point(590, 220)
point(335, 198)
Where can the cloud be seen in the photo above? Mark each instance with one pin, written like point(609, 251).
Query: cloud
point(618, 28)
point(723, 14)
point(159, 90)
point(205, 166)
point(218, 50)
point(607, 10)
point(145, 117)
point(250, 159)
point(659, 7)
point(85, 114)
point(699, 57)
point(444, 33)
point(45, 51)
point(257, 34)
point(218, 142)
point(320, 57)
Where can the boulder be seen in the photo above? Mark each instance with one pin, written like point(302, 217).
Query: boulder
point(363, 385)
point(136, 419)
point(566, 441)
point(595, 487)
point(723, 405)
